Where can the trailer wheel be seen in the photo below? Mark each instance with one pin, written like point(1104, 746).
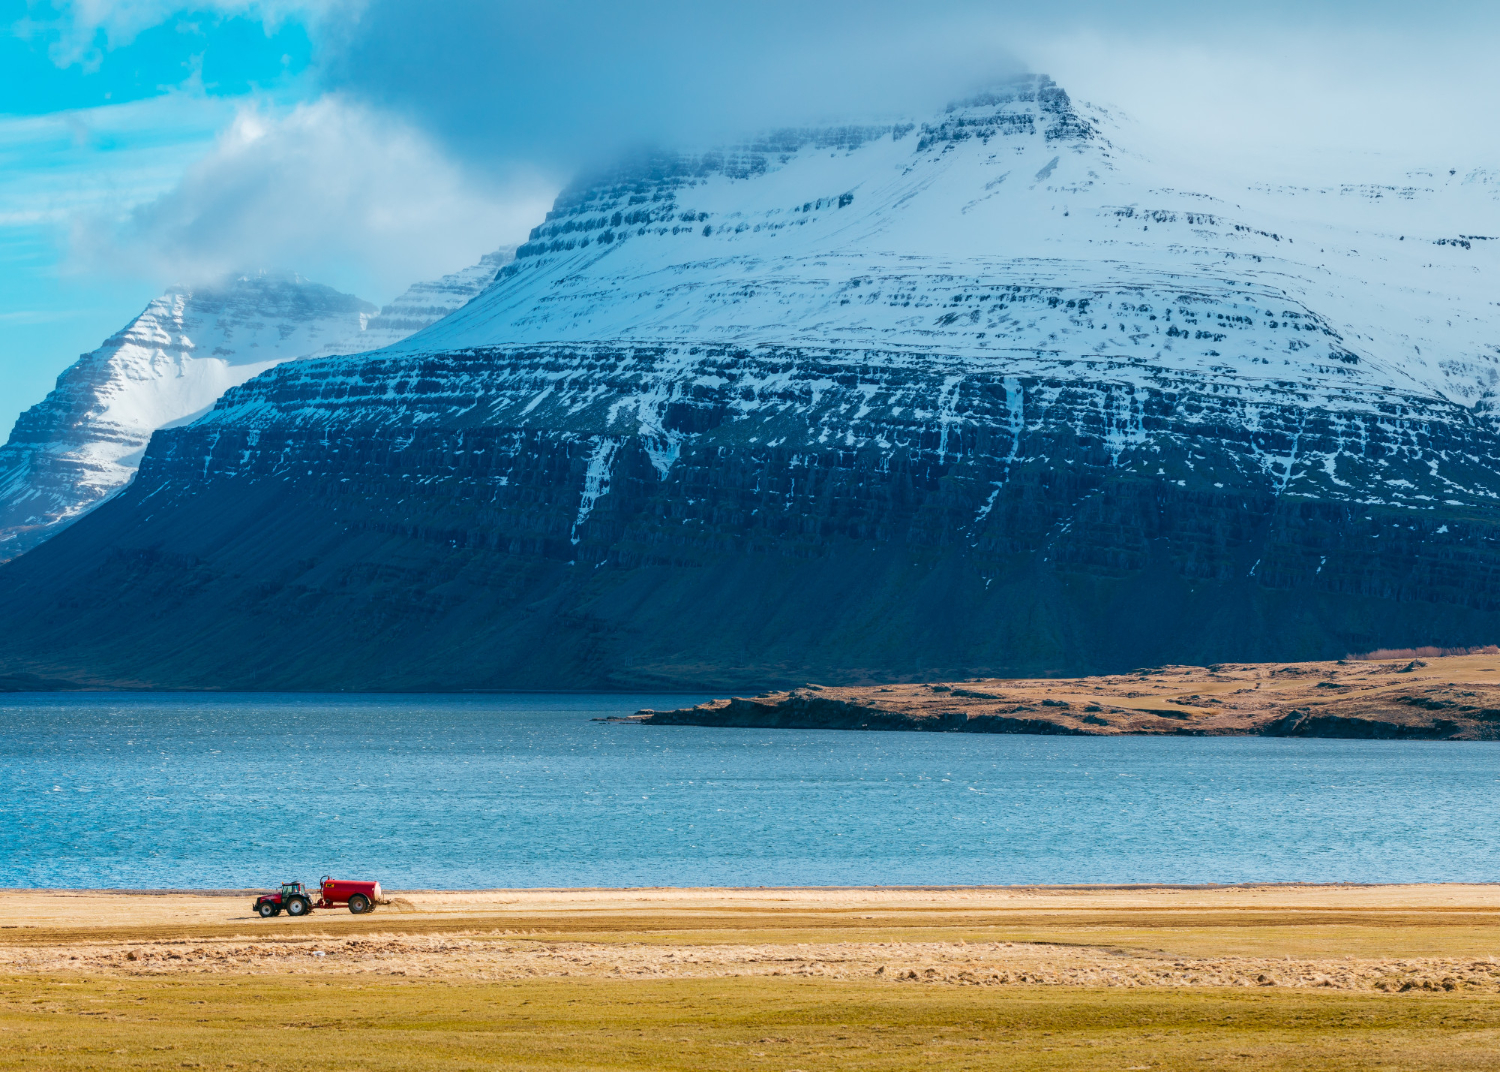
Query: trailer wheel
point(298, 906)
point(359, 903)
point(267, 910)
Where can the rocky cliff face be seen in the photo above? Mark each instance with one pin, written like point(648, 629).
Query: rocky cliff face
point(985, 394)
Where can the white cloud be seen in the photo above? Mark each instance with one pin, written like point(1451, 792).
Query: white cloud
point(332, 190)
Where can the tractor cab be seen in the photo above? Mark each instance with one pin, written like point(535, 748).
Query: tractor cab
point(292, 897)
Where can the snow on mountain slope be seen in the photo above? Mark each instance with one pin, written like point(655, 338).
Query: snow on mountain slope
point(956, 236)
point(1014, 239)
point(69, 453)
point(173, 361)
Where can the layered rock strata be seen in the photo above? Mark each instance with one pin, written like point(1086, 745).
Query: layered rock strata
point(423, 304)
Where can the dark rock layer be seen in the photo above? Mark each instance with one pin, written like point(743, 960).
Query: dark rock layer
point(417, 527)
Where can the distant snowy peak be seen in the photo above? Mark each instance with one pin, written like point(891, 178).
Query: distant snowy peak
point(180, 354)
point(423, 304)
point(189, 346)
point(74, 449)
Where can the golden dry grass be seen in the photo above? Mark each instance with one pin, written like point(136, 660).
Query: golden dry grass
point(1270, 977)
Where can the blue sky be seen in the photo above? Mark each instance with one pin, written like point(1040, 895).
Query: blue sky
point(127, 128)
point(371, 143)
point(117, 127)
point(229, 55)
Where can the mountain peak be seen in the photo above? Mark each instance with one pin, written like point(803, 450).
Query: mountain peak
point(83, 441)
point(1026, 104)
point(1022, 88)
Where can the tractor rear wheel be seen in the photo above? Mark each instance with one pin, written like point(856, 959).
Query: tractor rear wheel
point(298, 906)
point(359, 903)
point(267, 909)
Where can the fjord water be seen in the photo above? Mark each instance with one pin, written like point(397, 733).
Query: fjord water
point(159, 791)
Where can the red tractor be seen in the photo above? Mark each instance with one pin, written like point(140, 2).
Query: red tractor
point(360, 895)
point(292, 897)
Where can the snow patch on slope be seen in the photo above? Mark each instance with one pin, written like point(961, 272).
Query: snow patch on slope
point(596, 479)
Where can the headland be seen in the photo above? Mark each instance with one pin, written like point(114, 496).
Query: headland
point(1405, 698)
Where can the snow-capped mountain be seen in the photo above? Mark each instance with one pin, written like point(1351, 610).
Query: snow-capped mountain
point(988, 392)
point(171, 363)
point(1013, 238)
point(85, 439)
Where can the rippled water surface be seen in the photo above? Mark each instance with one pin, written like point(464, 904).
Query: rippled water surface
point(136, 790)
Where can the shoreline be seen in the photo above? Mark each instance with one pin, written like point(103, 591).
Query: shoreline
point(126, 910)
point(1031, 887)
point(1360, 937)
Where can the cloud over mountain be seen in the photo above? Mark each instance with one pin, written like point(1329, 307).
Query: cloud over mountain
point(423, 128)
point(331, 188)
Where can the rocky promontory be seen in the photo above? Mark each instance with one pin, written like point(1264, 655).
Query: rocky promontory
point(1401, 698)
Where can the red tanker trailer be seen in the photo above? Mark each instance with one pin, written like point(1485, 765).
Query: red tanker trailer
point(360, 895)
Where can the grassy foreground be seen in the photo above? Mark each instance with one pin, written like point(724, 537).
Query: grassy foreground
point(332, 1024)
point(765, 979)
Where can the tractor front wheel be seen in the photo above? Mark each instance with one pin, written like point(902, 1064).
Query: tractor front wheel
point(298, 906)
point(359, 903)
point(267, 910)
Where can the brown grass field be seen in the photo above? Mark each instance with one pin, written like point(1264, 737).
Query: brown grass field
point(1286, 977)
